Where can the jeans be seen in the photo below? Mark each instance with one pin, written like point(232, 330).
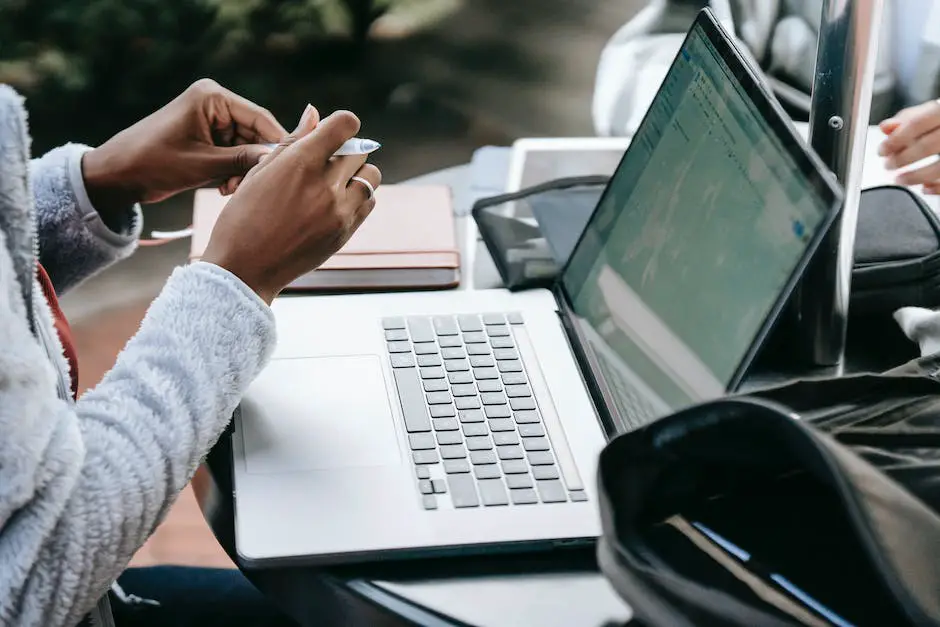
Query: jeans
point(192, 597)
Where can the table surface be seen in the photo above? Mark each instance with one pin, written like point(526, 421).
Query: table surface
point(542, 590)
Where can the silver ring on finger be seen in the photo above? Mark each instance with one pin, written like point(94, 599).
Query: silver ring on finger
point(367, 185)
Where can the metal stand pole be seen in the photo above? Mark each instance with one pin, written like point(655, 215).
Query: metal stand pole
point(839, 117)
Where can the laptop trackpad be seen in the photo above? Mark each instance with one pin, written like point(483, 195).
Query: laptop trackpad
point(318, 413)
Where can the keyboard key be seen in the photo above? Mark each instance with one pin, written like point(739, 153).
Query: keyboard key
point(462, 491)
point(478, 458)
point(435, 385)
point(489, 471)
point(501, 342)
point(463, 389)
point(468, 402)
point(505, 353)
point(425, 487)
point(502, 438)
point(393, 323)
point(426, 348)
point(501, 424)
point(532, 430)
point(509, 365)
point(494, 318)
point(544, 472)
point(493, 492)
point(438, 486)
point(476, 444)
point(526, 417)
point(497, 330)
point(449, 437)
point(439, 398)
point(515, 467)
point(442, 411)
point(425, 457)
point(421, 441)
point(473, 429)
point(402, 360)
point(535, 444)
point(455, 352)
point(478, 349)
point(509, 452)
point(551, 491)
point(449, 341)
point(482, 361)
point(456, 466)
point(460, 377)
point(411, 397)
point(446, 424)
point(513, 378)
point(399, 347)
point(493, 398)
point(432, 373)
point(469, 323)
point(445, 325)
point(516, 482)
point(578, 496)
point(515, 318)
point(453, 451)
point(524, 497)
point(421, 330)
point(456, 365)
point(429, 502)
point(429, 360)
point(477, 337)
point(485, 373)
point(517, 391)
point(541, 458)
point(422, 472)
point(497, 411)
point(396, 335)
point(490, 385)
point(524, 404)
point(470, 415)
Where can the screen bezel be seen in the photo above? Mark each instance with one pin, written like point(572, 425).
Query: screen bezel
point(822, 181)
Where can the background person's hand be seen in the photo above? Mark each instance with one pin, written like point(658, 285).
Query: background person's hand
point(296, 208)
point(913, 135)
point(207, 135)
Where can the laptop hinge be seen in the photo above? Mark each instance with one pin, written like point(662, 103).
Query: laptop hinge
point(609, 422)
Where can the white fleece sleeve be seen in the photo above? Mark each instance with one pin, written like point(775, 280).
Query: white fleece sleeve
point(74, 243)
point(83, 486)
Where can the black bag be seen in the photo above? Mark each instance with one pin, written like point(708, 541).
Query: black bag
point(735, 513)
point(897, 252)
point(530, 234)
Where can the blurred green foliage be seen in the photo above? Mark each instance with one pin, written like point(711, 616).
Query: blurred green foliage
point(125, 50)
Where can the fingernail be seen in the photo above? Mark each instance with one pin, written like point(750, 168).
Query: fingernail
point(891, 163)
point(305, 118)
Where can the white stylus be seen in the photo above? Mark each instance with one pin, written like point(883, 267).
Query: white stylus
point(354, 146)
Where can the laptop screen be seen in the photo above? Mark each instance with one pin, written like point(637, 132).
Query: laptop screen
point(699, 232)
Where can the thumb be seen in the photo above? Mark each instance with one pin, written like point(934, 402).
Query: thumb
point(228, 161)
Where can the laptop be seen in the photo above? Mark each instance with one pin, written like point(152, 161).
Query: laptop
point(435, 423)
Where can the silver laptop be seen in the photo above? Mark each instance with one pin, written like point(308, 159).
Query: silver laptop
point(419, 424)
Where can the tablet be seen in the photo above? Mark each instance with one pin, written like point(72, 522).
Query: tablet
point(538, 160)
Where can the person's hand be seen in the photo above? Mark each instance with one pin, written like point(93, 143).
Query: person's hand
point(296, 208)
point(913, 135)
point(207, 135)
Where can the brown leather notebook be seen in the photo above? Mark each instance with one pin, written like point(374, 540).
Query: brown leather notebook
point(407, 242)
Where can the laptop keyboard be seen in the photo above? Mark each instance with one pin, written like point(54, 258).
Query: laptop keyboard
point(634, 408)
point(473, 424)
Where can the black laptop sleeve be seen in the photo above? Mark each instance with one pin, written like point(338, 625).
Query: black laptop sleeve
point(531, 233)
point(814, 503)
